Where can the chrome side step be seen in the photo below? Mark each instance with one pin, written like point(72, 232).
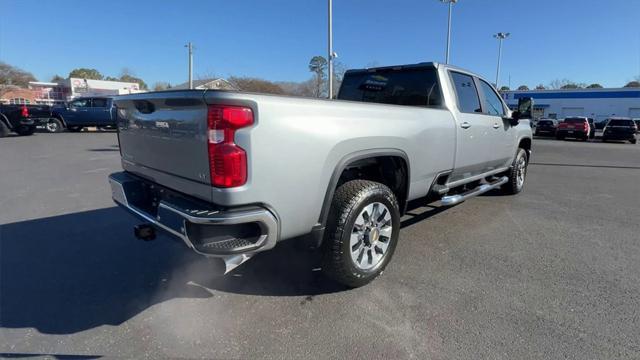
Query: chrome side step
point(458, 198)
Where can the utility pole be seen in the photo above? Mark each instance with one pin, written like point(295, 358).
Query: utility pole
point(331, 53)
point(450, 2)
point(190, 47)
point(500, 36)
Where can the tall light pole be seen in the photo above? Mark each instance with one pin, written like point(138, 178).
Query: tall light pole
point(190, 47)
point(450, 2)
point(500, 36)
point(331, 53)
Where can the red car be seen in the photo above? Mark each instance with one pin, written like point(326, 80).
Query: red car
point(574, 127)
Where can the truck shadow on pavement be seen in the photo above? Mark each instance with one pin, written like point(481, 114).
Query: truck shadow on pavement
point(69, 273)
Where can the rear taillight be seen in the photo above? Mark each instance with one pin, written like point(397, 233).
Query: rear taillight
point(24, 112)
point(227, 160)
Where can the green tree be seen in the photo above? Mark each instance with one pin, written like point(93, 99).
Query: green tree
point(633, 84)
point(540, 87)
point(505, 88)
point(11, 75)
point(523, 88)
point(318, 66)
point(570, 86)
point(595, 86)
point(85, 73)
point(57, 78)
point(133, 79)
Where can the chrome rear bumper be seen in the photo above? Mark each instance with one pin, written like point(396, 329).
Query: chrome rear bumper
point(208, 230)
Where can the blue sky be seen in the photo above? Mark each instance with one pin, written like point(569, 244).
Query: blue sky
point(581, 40)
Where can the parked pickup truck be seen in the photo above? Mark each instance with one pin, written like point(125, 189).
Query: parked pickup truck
point(233, 173)
point(83, 112)
point(22, 119)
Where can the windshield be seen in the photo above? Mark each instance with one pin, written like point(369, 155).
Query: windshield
point(414, 87)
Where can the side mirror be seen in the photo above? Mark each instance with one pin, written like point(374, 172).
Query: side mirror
point(525, 107)
point(515, 118)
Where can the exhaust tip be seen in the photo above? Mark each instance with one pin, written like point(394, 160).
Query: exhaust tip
point(144, 232)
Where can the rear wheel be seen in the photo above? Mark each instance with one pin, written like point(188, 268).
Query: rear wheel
point(517, 173)
point(362, 232)
point(633, 141)
point(54, 125)
point(74, 128)
point(24, 130)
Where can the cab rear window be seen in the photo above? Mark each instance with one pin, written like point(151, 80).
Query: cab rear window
point(411, 87)
point(575, 121)
point(620, 122)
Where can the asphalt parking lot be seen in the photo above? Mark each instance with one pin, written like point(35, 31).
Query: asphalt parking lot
point(551, 273)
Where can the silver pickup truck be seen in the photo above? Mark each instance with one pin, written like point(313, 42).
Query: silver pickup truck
point(232, 173)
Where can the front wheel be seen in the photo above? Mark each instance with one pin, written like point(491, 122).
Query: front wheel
point(362, 232)
point(633, 141)
point(54, 125)
point(517, 173)
point(74, 128)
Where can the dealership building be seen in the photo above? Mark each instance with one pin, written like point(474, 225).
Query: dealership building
point(52, 93)
point(598, 104)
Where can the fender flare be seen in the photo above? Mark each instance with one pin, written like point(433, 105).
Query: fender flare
point(318, 229)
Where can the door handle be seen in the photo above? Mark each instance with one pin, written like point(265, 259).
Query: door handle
point(465, 125)
point(496, 126)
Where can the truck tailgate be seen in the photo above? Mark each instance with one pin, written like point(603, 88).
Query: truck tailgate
point(165, 132)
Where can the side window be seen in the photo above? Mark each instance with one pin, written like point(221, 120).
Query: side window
point(80, 103)
point(468, 100)
point(492, 103)
point(97, 102)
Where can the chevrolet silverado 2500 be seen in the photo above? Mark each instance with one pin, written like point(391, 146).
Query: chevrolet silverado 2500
point(232, 173)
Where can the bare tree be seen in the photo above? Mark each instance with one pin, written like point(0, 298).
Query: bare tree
point(255, 85)
point(161, 85)
point(318, 66)
point(11, 75)
point(540, 87)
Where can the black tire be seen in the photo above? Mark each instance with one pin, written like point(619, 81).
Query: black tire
point(633, 141)
point(54, 125)
point(74, 128)
point(347, 206)
point(24, 130)
point(515, 186)
point(559, 137)
point(4, 130)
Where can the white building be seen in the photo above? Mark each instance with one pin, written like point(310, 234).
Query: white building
point(598, 104)
point(87, 87)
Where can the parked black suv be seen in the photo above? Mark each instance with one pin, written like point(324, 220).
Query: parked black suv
point(620, 129)
point(546, 127)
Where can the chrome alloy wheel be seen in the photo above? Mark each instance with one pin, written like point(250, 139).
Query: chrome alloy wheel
point(521, 170)
point(370, 236)
point(52, 126)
